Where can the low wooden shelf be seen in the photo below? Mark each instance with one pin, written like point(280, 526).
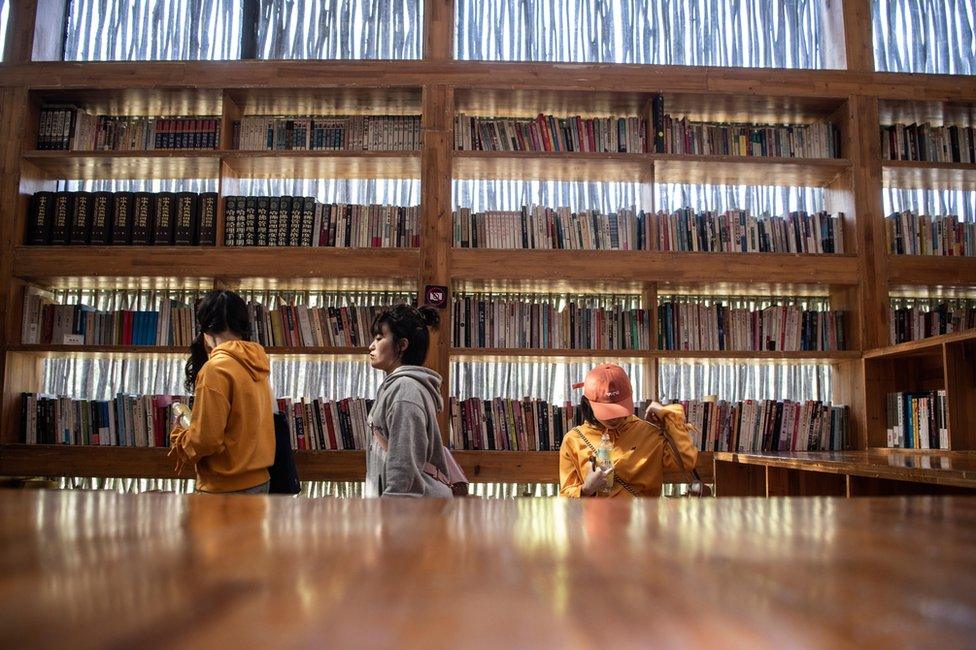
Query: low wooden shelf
point(108, 165)
point(851, 473)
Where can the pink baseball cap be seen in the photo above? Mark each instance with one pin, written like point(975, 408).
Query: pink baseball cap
point(608, 389)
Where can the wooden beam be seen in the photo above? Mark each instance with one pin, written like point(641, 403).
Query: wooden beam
point(848, 35)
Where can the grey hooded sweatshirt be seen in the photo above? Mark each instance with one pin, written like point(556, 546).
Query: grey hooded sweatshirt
point(405, 413)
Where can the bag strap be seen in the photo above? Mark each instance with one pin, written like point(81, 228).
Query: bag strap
point(616, 477)
point(677, 455)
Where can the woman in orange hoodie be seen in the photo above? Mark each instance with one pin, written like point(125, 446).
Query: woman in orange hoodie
point(231, 437)
point(640, 451)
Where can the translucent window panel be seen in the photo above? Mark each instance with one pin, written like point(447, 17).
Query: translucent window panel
point(340, 29)
point(931, 202)
point(398, 192)
point(757, 199)
point(4, 21)
point(153, 30)
point(548, 380)
point(751, 33)
point(936, 36)
point(140, 185)
point(484, 195)
point(682, 380)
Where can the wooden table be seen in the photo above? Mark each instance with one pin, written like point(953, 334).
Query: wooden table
point(874, 472)
point(143, 571)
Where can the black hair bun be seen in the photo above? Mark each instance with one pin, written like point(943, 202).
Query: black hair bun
point(430, 315)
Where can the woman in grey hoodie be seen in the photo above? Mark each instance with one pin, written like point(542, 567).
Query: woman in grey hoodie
point(406, 456)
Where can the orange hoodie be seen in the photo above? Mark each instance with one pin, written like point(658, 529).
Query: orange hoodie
point(231, 434)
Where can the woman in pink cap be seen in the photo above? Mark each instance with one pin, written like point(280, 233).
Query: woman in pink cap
point(640, 452)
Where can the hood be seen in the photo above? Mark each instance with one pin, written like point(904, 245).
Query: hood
point(429, 381)
point(250, 355)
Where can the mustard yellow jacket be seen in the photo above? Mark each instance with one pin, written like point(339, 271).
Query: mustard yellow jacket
point(231, 434)
point(640, 454)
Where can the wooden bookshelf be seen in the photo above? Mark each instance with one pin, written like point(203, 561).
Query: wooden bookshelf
point(856, 99)
point(946, 362)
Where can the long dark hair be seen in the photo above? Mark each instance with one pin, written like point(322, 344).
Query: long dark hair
point(586, 412)
point(218, 311)
point(409, 323)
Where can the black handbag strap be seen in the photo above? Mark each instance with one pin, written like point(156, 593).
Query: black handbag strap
point(616, 477)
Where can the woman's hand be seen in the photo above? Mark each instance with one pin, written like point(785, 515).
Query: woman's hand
point(596, 480)
point(654, 412)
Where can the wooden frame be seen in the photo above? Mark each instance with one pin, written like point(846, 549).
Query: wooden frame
point(437, 87)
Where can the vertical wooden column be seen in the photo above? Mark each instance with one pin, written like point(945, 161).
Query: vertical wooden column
point(848, 38)
point(650, 365)
point(865, 155)
point(436, 215)
point(438, 30)
point(35, 31)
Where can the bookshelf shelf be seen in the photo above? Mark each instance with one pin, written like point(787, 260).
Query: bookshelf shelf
point(666, 168)
point(931, 270)
point(145, 350)
point(324, 164)
point(44, 263)
point(746, 170)
point(486, 76)
point(625, 266)
point(556, 353)
point(910, 174)
point(139, 462)
point(101, 165)
point(105, 165)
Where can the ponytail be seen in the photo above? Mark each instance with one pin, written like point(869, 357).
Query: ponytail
point(217, 312)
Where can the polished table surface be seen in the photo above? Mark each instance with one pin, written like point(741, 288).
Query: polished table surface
point(155, 570)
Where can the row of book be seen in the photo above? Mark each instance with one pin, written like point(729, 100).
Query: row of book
point(815, 140)
point(541, 228)
point(302, 221)
point(123, 218)
point(528, 424)
point(510, 425)
point(686, 325)
point(303, 326)
point(351, 133)
point(146, 421)
point(927, 143)
point(736, 231)
point(548, 133)
point(919, 234)
point(47, 323)
point(125, 421)
point(321, 424)
point(767, 425)
point(69, 128)
point(497, 322)
point(922, 321)
point(917, 420)
point(685, 230)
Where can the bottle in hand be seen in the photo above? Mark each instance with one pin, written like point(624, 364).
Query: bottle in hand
point(605, 462)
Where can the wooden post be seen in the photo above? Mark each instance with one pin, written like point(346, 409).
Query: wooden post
point(848, 35)
point(438, 30)
point(436, 221)
point(35, 31)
